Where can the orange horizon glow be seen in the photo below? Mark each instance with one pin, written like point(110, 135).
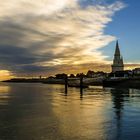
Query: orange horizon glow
point(6, 74)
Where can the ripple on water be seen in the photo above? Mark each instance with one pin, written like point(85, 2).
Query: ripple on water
point(37, 111)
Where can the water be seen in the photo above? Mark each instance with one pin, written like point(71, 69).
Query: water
point(45, 112)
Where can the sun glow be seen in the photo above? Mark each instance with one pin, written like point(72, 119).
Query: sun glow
point(5, 74)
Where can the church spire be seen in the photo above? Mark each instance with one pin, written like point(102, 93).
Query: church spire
point(118, 60)
point(117, 51)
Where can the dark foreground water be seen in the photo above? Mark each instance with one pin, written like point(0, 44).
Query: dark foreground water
point(45, 112)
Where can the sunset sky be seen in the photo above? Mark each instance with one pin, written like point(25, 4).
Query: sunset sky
point(45, 37)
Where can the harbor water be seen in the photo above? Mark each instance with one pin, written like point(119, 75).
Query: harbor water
point(46, 112)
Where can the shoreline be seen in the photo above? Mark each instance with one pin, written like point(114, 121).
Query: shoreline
point(119, 83)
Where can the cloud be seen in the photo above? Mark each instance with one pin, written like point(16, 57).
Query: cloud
point(38, 7)
point(43, 35)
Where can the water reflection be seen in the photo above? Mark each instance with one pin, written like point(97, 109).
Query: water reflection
point(37, 111)
point(4, 94)
point(25, 115)
point(118, 97)
point(81, 93)
point(79, 119)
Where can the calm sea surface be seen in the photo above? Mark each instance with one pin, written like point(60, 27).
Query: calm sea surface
point(45, 112)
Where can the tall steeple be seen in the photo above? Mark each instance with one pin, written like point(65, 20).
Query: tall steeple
point(117, 51)
point(118, 60)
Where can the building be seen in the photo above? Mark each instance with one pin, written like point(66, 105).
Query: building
point(118, 60)
point(136, 71)
point(121, 74)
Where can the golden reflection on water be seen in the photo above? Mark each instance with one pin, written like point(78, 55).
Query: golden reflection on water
point(4, 93)
point(45, 112)
point(80, 118)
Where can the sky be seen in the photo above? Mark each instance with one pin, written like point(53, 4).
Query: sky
point(45, 37)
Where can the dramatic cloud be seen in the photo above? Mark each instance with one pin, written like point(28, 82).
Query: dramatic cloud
point(45, 36)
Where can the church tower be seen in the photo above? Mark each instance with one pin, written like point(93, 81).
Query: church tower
point(118, 60)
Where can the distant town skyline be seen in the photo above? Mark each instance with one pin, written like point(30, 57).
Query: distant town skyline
point(48, 37)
